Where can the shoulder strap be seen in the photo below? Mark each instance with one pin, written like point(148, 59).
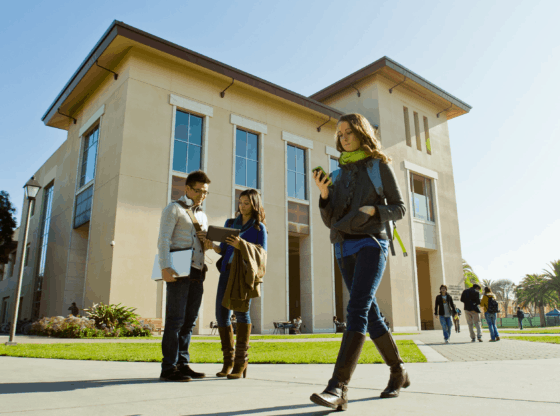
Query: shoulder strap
point(375, 177)
point(197, 226)
point(335, 174)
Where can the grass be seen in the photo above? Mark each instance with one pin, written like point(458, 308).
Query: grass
point(205, 352)
point(302, 336)
point(549, 340)
point(555, 330)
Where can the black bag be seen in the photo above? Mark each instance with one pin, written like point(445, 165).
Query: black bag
point(493, 306)
point(229, 223)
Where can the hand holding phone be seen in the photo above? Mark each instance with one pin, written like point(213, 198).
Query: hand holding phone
point(322, 181)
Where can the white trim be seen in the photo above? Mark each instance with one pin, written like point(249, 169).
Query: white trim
point(248, 124)
point(190, 105)
point(311, 257)
point(260, 139)
point(85, 127)
point(171, 151)
point(438, 228)
point(421, 170)
point(287, 232)
point(413, 250)
point(83, 188)
point(233, 171)
point(422, 221)
point(331, 151)
point(204, 158)
point(298, 201)
point(300, 141)
point(179, 174)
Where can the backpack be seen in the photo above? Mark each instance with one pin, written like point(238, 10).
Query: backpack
point(493, 306)
point(375, 177)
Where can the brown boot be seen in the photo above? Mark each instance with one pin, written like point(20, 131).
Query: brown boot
point(226, 336)
point(335, 395)
point(241, 357)
point(390, 353)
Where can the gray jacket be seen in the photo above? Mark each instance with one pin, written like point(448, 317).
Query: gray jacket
point(353, 189)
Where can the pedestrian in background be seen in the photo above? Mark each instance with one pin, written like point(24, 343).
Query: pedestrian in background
point(520, 316)
point(471, 299)
point(74, 309)
point(445, 308)
point(490, 305)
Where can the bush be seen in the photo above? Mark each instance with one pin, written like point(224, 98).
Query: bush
point(104, 321)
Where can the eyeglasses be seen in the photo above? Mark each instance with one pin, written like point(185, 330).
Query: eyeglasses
point(200, 191)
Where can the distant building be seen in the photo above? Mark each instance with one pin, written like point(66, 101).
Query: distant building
point(132, 140)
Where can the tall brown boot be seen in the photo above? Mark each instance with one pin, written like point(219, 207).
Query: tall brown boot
point(241, 357)
point(335, 395)
point(226, 336)
point(390, 353)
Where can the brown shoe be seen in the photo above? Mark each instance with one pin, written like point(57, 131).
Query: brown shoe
point(241, 347)
point(335, 395)
point(226, 336)
point(189, 372)
point(390, 353)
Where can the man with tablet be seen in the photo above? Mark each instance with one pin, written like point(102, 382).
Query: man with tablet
point(183, 227)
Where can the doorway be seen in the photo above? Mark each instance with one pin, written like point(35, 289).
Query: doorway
point(424, 289)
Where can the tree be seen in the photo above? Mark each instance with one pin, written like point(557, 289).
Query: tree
point(505, 291)
point(488, 283)
point(469, 276)
point(533, 290)
point(552, 277)
point(7, 226)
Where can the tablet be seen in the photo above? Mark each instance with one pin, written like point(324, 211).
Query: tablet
point(220, 233)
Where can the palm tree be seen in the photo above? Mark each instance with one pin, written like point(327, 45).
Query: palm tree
point(552, 277)
point(488, 283)
point(533, 290)
point(469, 276)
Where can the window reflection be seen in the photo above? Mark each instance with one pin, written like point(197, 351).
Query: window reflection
point(297, 183)
point(246, 159)
point(187, 149)
point(422, 197)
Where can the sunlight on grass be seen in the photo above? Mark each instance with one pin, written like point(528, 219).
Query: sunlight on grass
point(548, 340)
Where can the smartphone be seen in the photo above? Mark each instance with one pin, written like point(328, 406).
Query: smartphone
point(323, 173)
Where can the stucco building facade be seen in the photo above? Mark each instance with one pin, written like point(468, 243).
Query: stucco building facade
point(142, 112)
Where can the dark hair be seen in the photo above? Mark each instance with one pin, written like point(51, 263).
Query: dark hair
point(476, 286)
point(487, 290)
point(441, 287)
point(258, 210)
point(365, 133)
point(197, 176)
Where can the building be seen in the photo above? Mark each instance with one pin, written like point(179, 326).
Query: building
point(141, 112)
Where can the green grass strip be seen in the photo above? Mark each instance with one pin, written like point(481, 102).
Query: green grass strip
point(302, 336)
point(533, 331)
point(548, 340)
point(205, 352)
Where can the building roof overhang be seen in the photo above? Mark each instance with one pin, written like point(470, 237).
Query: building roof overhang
point(406, 79)
point(116, 43)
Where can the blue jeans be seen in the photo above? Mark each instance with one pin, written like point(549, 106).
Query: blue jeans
point(362, 273)
point(520, 322)
point(446, 326)
point(491, 319)
point(223, 315)
point(181, 310)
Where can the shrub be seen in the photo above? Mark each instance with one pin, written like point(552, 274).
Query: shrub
point(113, 316)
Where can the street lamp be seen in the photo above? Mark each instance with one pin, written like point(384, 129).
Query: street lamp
point(31, 190)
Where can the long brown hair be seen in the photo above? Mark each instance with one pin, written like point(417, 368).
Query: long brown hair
point(258, 210)
point(366, 134)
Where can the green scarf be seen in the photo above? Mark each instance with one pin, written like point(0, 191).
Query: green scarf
point(352, 157)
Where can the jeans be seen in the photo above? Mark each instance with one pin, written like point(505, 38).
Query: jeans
point(223, 315)
point(446, 326)
point(491, 319)
point(362, 273)
point(183, 302)
point(520, 323)
point(474, 318)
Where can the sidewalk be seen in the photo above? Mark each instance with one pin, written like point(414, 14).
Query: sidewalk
point(60, 387)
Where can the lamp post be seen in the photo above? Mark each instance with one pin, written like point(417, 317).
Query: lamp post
point(31, 189)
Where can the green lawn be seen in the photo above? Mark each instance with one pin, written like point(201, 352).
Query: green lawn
point(554, 330)
point(302, 336)
point(549, 340)
point(206, 352)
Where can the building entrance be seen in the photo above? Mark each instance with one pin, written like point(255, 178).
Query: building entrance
point(425, 289)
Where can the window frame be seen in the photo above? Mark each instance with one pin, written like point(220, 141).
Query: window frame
point(430, 203)
point(258, 178)
point(174, 139)
point(305, 173)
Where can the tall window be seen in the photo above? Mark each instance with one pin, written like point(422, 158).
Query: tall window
point(45, 224)
point(427, 135)
point(417, 131)
point(82, 214)
point(422, 201)
point(333, 164)
point(187, 150)
point(407, 127)
point(297, 176)
point(89, 157)
point(246, 159)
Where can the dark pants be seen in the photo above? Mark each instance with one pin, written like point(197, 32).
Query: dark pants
point(223, 315)
point(183, 302)
point(520, 322)
point(362, 273)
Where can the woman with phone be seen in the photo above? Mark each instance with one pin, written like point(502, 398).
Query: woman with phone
point(357, 218)
point(252, 225)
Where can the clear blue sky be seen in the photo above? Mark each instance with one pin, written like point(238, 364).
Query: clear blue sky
point(498, 56)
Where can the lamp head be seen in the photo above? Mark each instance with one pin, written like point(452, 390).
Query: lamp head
point(31, 188)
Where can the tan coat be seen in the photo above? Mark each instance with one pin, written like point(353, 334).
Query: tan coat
point(246, 275)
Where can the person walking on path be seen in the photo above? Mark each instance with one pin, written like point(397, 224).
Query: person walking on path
point(74, 309)
point(357, 218)
point(520, 316)
point(252, 224)
point(471, 299)
point(456, 322)
point(184, 295)
point(490, 306)
point(444, 308)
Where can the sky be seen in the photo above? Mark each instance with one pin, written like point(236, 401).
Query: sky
point(500, 57)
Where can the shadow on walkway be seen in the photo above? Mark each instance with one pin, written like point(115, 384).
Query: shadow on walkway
point(50, 387)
